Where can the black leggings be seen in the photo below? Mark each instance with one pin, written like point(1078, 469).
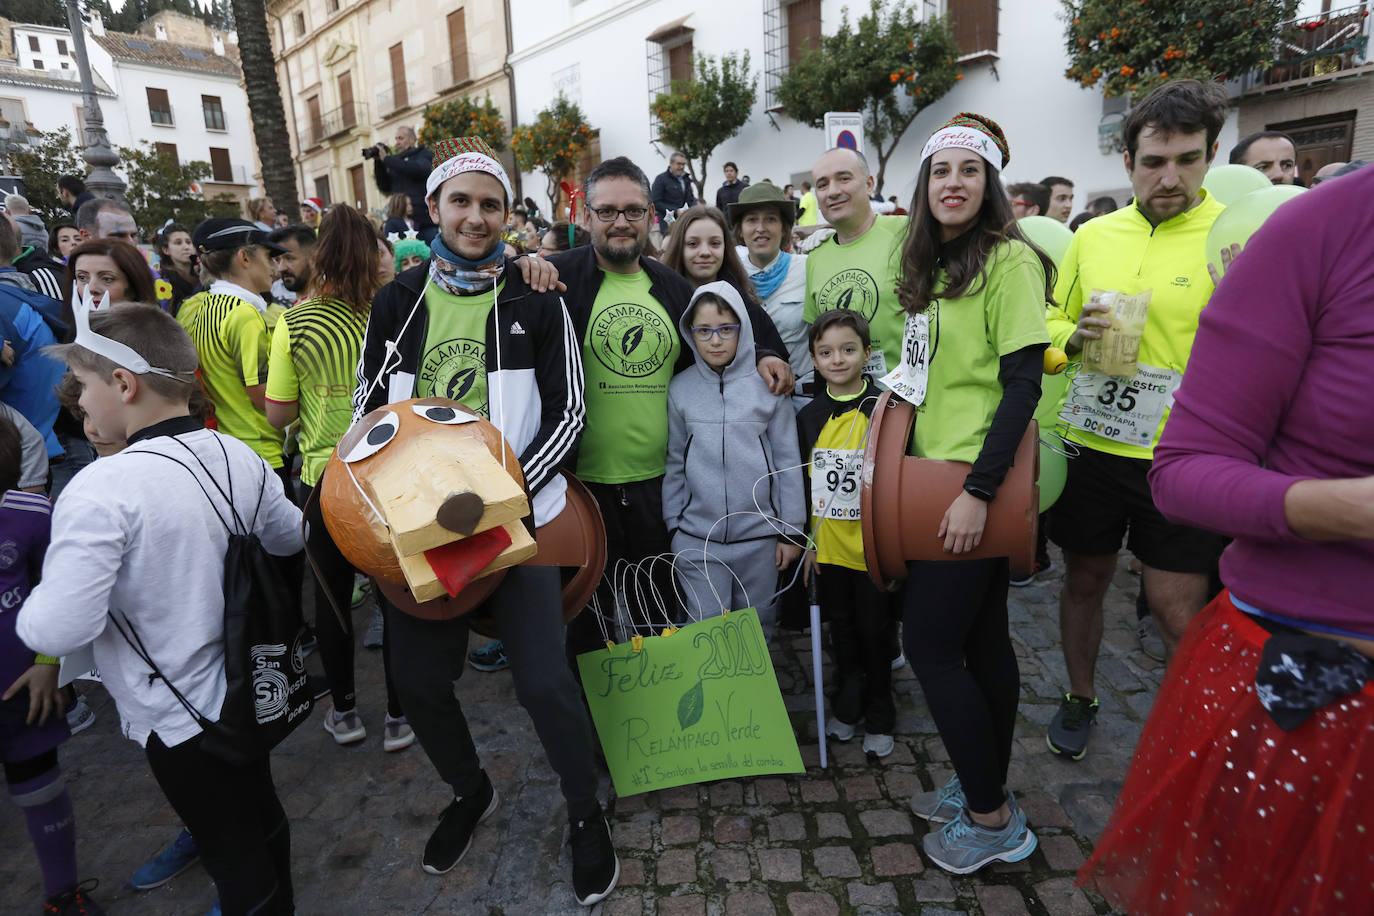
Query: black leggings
point(237, 820)
point(334, 580)
point(863, 632)
point(956, 637)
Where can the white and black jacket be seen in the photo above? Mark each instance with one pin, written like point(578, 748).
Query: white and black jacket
point(534, 372)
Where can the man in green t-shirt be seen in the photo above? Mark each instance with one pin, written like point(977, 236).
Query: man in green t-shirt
point(626, 309)
point(857, 267)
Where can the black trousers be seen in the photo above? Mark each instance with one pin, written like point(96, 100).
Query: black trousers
point(431, 654)
point(863, 631)
point(237, 820)
point(333, 577)
point(956, 636)
point(633, 513)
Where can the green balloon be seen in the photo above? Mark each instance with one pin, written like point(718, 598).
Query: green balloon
point(1050, 235)
point(1229, 183)
point(1053, 390)
point(1054, 469)
point(1243, 218)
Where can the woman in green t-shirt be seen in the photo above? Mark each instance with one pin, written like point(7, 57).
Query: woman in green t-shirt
point(974, 292)
point(310, 378)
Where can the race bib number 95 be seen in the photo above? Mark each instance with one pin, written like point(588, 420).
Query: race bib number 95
point(1125, 410)
point(835, 483)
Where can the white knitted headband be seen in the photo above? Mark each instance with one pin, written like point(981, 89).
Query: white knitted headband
point(964, 138)
point(468, 162)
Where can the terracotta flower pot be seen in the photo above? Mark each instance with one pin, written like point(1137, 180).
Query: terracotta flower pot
point(902, 500)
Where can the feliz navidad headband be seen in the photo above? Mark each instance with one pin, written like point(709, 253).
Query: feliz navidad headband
point(973, 133)
point(121, 355)
point(466, 154)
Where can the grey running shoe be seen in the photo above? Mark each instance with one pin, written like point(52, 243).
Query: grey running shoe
point(1151, 643)
point(961, 846)
point(1068, 733)
point(943, 805)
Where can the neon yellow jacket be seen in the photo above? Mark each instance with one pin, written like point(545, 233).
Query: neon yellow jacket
point(1122, 251)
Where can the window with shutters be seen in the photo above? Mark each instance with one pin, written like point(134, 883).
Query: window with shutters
point(214, 112)
point(347, 116)
point(400, 98)
point(167, 151)
point(33, 43)
point(220, 167)
point(322, 189)
point(359, 181)
point(38, 64)
point(61, 46)
point(455, 70)
point(669, 61)
point(314, 119)
point(790, 29)
point(159, 108)
point(975, 25)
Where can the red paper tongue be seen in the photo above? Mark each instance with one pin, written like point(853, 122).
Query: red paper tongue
point(458, 563)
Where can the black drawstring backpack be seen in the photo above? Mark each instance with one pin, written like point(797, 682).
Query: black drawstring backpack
point(266, 695)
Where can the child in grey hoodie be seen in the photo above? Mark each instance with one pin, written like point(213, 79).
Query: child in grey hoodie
point(733, 472)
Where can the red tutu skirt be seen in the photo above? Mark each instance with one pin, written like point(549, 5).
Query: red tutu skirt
point(1224, 812)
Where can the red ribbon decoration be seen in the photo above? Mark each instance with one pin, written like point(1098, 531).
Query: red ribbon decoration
point(573, 194)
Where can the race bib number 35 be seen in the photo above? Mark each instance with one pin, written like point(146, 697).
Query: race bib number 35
point(1125, 410)
point(908, 381)
point(835, 483)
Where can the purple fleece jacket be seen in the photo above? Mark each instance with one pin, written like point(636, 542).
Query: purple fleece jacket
point(1278, 389)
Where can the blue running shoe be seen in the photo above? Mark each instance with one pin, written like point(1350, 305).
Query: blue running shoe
point(169, 863)
point(491, 657)
point(962, 847)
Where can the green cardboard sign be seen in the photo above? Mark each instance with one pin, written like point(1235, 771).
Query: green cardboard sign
point(699, 705)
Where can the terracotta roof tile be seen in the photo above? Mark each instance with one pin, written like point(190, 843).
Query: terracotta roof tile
point(145, 49)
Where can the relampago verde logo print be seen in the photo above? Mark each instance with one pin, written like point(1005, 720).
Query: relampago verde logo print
point(853, 289)
point(631, 340)
point(457, 369)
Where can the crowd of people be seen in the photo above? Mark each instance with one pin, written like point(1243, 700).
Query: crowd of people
point(710, 373)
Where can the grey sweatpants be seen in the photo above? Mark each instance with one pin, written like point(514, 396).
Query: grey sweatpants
point(728, 577)
point(429, 655)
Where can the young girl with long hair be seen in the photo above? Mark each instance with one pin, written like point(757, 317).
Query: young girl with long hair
point(310, 377)
point(701, 248)
point(974, 292)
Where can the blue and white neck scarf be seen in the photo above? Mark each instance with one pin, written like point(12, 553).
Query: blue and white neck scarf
point(767, 281)
point(461, 277)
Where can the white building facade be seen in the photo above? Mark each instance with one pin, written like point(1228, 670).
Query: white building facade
point(610, 55)
point(174, 83)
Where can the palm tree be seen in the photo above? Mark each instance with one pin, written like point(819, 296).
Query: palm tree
point(264, 103)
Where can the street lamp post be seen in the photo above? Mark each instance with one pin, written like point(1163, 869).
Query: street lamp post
point(102, 181)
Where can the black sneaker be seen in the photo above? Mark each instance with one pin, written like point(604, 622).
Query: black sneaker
point(451, 840)
point(596, 868)
point(75, 902)
point(1068, 734)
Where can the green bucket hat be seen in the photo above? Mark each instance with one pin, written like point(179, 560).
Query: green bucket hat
point(765, 193)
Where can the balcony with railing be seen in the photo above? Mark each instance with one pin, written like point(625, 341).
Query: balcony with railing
point(1314, 49)
point(451, 74)
point(237, 174)
point(394, 98)
point(335, 122)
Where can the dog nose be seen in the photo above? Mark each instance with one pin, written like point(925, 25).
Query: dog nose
point(461, 512)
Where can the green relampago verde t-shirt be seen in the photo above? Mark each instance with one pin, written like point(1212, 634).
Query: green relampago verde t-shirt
point(628, 357)
point(968, 338)
point(454, 364)
point(862, 276)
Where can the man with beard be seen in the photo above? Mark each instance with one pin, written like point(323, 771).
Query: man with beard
point(625, 308)
point(293, 264)
point(1155, 245)
point(467, 326)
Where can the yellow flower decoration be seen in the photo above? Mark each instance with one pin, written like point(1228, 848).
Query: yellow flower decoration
point(163, 289)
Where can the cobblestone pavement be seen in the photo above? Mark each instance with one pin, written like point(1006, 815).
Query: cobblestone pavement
point(831, 841)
